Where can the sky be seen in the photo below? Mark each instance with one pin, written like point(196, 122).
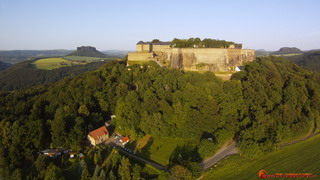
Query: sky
point(120, 24)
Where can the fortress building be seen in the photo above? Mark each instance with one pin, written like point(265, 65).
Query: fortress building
point(192, 59)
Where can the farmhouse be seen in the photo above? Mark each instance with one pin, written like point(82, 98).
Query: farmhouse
point(98, 136)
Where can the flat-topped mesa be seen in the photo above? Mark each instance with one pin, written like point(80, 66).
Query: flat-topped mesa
point(199, 57)
point(87, 51)
point(86, 48)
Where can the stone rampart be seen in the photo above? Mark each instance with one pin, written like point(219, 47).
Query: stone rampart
point(139, 56)
point(198, 59)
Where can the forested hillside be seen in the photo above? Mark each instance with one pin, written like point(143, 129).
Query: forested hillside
point(309, 60)
point(271, 101)
point(4, 65)
point(22, 75)
point(16, 56)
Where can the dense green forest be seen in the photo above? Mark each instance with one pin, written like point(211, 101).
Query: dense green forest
point(23, 74)
point(309, 60)
point(205, 43)
point(271, 101)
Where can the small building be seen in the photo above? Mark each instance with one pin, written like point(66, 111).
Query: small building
point(108, 123)
point(52, 152)
point(72, 154)
point(81, 156)
point(238, 68)
point(124, 140)
point(98, 136)
point(231, 46)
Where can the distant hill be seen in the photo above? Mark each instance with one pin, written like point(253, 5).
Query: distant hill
point(16, 56)
point(116, 53)
point(87, 51)
point(288, 50)
point(262, 52)
point(309, 60)
point(23, 74)
point(4, 65)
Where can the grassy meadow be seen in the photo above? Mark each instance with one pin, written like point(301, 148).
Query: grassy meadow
point(303, 157)
point(84, 58)
point(160, 149)
point(51, 63)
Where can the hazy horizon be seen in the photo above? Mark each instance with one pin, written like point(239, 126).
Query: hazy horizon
point(269, 25)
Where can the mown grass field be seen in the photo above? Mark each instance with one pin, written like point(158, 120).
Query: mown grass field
point(51, 63)
point(303, 157)
point(160, 149)
point(83, 58)
point(292, 54)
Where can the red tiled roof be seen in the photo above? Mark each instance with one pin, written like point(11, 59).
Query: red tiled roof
point(95, 134)
point(125, 139)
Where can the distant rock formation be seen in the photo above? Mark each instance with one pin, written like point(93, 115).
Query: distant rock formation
point(288, 50)
point(87, 51)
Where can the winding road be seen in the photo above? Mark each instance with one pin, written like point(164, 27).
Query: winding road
point(228, 148)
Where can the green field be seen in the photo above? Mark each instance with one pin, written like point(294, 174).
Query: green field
point(51, 63)
point(303, 157)
point(161, 149)
point(83, 58)
point(292, 54)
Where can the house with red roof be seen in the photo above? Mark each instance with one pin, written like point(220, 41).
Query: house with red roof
point(98, 136)
point(124, 140)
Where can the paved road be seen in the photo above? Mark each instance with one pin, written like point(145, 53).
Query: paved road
point(222, 153)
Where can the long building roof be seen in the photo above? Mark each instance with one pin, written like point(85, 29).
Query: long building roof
point(158, 43)
point(95, 134)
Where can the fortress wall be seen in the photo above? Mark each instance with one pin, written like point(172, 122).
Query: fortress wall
point(143, 47)
point(194, 58)
point(208, 59)
point(140, 56)
point(139, 47)
point(197, 59)
point(160, 47)
point(236, 57)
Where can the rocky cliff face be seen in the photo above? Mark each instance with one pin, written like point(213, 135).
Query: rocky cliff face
point(87, 51)
point(209, 59)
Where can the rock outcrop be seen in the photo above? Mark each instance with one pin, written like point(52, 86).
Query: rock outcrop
point(87, 51)
point(288, 50)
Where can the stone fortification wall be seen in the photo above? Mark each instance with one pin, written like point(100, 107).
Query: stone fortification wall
point(198, 59)
point(143, 48)
point(139, 56)
point(236, 57)
point(160, 47)
point(209, 59)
